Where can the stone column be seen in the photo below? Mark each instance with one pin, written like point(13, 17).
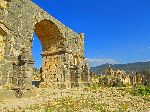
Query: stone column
point(27, 68)
point(6, 65)
point(66, 71)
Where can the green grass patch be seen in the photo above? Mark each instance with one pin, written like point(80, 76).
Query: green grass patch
point(140, 90)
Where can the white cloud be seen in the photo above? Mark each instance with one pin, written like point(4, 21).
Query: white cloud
point(99, 61)
point(144, 49)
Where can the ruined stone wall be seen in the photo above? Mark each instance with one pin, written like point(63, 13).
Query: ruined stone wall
point(63, 51)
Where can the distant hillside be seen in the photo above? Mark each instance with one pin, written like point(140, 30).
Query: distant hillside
point(130, 67)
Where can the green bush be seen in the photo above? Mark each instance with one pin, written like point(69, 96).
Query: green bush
point(48, 109)
point(95, 86)
point(140, 90)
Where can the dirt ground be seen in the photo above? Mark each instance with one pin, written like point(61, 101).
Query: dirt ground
point(78, 100)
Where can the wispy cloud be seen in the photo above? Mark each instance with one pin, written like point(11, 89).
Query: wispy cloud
point(99, 61)
point(144, 48)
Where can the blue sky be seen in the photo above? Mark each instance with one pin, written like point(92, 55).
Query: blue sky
point(116, 31)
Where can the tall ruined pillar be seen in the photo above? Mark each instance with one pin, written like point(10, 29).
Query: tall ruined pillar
point(22, 71)
point(81, 59)
point(86, 72)
point(66, 71)
point(27, 68)
point(6, 66)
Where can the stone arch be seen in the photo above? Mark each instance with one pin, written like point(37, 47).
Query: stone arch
point(46, 30)
point(53, 51)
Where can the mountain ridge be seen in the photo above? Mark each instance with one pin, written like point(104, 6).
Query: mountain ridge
point(129, 67)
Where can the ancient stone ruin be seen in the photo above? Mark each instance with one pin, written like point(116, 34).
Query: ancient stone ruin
point(111, 78)
point(115, 77)
point(63, 63)
point(141, 78)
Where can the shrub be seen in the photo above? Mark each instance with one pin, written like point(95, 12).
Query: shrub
point(140, 90)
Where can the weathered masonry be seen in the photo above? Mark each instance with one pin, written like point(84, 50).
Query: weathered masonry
point(63, 63)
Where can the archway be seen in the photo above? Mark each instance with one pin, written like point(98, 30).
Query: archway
point(36, 52)
point(52, 53)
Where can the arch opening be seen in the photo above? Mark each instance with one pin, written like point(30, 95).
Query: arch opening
point(37, 51)
point(51, 53)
